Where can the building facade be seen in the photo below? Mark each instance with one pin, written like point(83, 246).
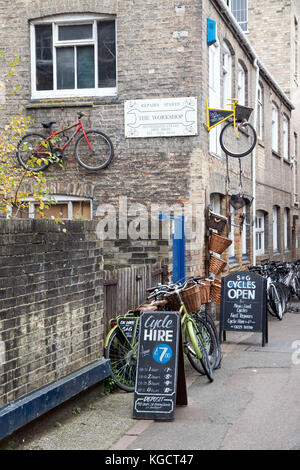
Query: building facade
point(100, 57)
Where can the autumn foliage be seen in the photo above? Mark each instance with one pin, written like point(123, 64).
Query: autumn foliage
point(18, 186)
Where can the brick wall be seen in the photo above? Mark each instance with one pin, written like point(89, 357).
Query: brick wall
point(51, 307)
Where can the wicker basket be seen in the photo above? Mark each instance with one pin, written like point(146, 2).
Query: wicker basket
point(216, 221)
point(205, 290)
point(216, 292)
point(219, 243)
point(173, 302)
point(216, 265)
point(192, 298)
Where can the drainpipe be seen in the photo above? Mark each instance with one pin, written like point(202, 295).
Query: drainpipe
point(255, 63)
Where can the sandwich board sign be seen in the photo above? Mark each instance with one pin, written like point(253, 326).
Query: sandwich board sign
point(160, 381)
point(244, 304)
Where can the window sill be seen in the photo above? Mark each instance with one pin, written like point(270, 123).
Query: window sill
point(215, 155)
point(245, 259)
point(276, 154)
point(69, 102)
point(261, 142)
point(288, 162)
point(232, 261)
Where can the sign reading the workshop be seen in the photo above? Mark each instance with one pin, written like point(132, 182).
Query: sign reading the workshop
point(157, 366)
point(161, 117)
point(243, 304)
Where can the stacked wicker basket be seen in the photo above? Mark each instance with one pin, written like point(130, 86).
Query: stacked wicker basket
point(218, 243)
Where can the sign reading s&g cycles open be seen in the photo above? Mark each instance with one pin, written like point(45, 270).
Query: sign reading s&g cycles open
point(243, 303)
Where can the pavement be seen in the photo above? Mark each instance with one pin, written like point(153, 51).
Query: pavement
point(253, 404)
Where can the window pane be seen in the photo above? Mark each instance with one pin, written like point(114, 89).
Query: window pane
point(106, 54)
point(70, 33)
point(65, 68)
point(85, 67)
point(44, 60)
point(55, 210)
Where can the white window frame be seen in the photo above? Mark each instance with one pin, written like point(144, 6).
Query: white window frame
point(275, 228)
point(286, 229)
point(244, 232)
point(260, 112)
point(57, 199)
point(285, 137)
point(275, 126)
point(241, 85)
point(214, 95)
point(226, 75)
point(65, 20)
point(215, 203)
point(231, 249)
point(295, 170)
point(243, 8)
point(260, 233)
point(296, 52)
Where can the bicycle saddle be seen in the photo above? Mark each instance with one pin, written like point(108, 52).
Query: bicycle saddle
point(48, 124)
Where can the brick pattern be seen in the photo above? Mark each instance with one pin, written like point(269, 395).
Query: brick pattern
point(51, 307)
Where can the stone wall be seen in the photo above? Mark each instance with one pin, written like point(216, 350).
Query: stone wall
point(51, 307)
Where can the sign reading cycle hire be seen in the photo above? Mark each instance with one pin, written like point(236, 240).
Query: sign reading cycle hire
point(157, 365)
point(161, 117)
point(243, 304)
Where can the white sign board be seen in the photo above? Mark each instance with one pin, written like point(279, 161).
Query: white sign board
point(161, 117)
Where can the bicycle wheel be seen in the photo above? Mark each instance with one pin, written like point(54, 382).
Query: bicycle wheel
point(197, 351)
point(276, 301)
point(99, 155)
point(209, 324)
point(238, 146)
point(34, 153)
point(123, 360)
point(296, 286)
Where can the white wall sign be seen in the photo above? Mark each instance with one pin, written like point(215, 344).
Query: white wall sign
point(161, 117)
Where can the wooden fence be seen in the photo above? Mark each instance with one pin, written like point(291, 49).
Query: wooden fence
point(125, 288)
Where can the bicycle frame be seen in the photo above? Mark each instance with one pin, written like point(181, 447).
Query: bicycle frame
point(79, 126)
point(186, 320)
point(210, 112)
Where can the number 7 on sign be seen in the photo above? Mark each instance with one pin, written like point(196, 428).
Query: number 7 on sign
point(162, 353)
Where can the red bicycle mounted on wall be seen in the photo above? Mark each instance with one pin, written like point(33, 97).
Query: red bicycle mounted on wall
point(93, 149)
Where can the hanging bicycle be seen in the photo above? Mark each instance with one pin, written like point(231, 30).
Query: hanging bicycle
point(238, 137)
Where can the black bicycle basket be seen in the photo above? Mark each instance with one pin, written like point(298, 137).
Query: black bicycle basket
point(242, 113)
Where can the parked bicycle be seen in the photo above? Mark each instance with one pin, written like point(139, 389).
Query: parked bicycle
point(238, 137)
point(93, 149)
point(276, 295)
point(200, 339)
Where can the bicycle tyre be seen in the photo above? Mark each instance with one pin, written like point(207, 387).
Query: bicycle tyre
point(238, 147)
point(197, 351)
point(33, 140)
point(276, 301)
point(296, 287)
point(101, 156)
point(123, 360)
point(210, 324)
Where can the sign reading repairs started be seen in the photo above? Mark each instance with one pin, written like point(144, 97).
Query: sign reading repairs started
point(161, 117)
point(243, 304)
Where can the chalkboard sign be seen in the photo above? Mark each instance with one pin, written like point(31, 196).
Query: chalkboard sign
point(157, 365)
point(217, 115)
point(243, 304)
point(128, 326)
